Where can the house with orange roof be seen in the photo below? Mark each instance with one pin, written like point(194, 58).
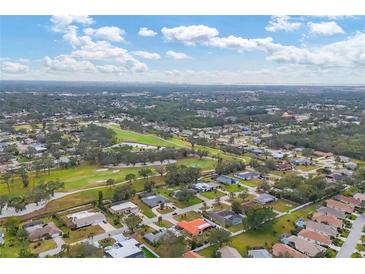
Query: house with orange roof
point(194, 227)
point(327, 219)
point(191, 254)
point(282, 250)
point(315, 237)
point(348, 200)
point(340, 206)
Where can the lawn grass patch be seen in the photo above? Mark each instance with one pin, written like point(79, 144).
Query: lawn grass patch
point(42, 246)
point(213, 194)
point(233, 187)
point(188, 216)
point(282, 205)
point(164, 223)
point(83, 233)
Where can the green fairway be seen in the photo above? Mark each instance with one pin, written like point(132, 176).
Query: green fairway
point(204, 164)
point(75, 178)
point(132, 136)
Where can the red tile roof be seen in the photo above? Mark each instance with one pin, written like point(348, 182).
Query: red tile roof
point(327, 219)
point(340, 206)
point(281, 250)
point(192, 254)
point(315, 236)
point(348, 200)
point(194, 227)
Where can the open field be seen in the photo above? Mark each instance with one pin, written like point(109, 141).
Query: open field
point(204, 164)
point(282, 205)
point(75, 178)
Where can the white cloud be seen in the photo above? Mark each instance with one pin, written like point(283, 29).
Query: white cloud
point(177, 55)
point(147, 55)
point(278, 23)
point(13, 68)
point(190, 35)
point(110, 33)
point(325, 28)
point(111, 69)
point(145, 32)
point(67, 63)
point(61, 22)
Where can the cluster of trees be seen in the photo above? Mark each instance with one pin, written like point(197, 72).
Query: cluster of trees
point(302, 190)
point(121, 155)
point(346, 140)
point(98, 135)
point(257, 217)
point(181, 175)
point(41, 192)
point(226, 167)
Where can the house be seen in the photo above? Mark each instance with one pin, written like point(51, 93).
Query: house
point(259, 253)
point(125, 249)
point(38, 230)
point(301, 161)
point(347, 200)
point(339, 206)
point(332, 212)
point(203, 187)
point(124, 208)
point(285, 251)
point(226, 180)
point(350, 166)
point(360, 197)
point(226, 218)
point(194, 227)
point(315, 237)
point(327, 219)
point(84, 218)
point(321, 228)
point(284, 166)
point(322, 154)
point(265, 199)
point(228, 252)
point(153, 238)
point(191, 254)
point(154, 200)
point(247, 175)
point(308, 248)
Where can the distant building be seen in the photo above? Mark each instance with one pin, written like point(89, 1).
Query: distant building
point(227, 180)
point(265, 199)
point(124, 208)
point(126, 249)
point(154, 200)
point(226, 218)
point(84, 218)
point(259, 253)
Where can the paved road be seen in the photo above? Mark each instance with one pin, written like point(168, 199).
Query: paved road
point(350, 244)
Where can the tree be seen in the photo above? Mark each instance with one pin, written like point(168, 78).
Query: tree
point(130, 177)
point(256, 218)
point(52, 186)
point(147, 187)
point(123, 192)
point(243, 194)
point(171, 246)
point(160, 169)
point(132, 222)
point(6, 179)
point(270, 164)
point(22, 172)
point(307, 152)
point(218, 236)
point(265, 186)
point(38, 194)
point(100, 198)
point(25, 253)
point(201, 153)
point(145, 172)
point(3, 201)
point(110, 182)
point(18, 203)
point(236, 206)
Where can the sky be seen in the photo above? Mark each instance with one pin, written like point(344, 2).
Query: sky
point(184, 49)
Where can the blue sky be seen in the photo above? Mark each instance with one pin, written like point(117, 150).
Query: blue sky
point(192, 49)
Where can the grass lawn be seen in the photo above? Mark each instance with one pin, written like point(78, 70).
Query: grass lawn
point(251, 183)
point(306, 168)
point(212, 194)
point(233, 188)
point(147, 253)
point(189, 216)
point(282, 205)
point(283, 173)
point(42, 246)
point(164, 223)
point(75, 178)
point(265, 237)
point(83, 233)
point(165, 210)
point(146, 210)
point(106, 242)
point(166, 192)
point(11, 247)
point(204, 164)
point(236, 228)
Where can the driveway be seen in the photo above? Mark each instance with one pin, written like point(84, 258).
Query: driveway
point(350, 244)
point(59, 242)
